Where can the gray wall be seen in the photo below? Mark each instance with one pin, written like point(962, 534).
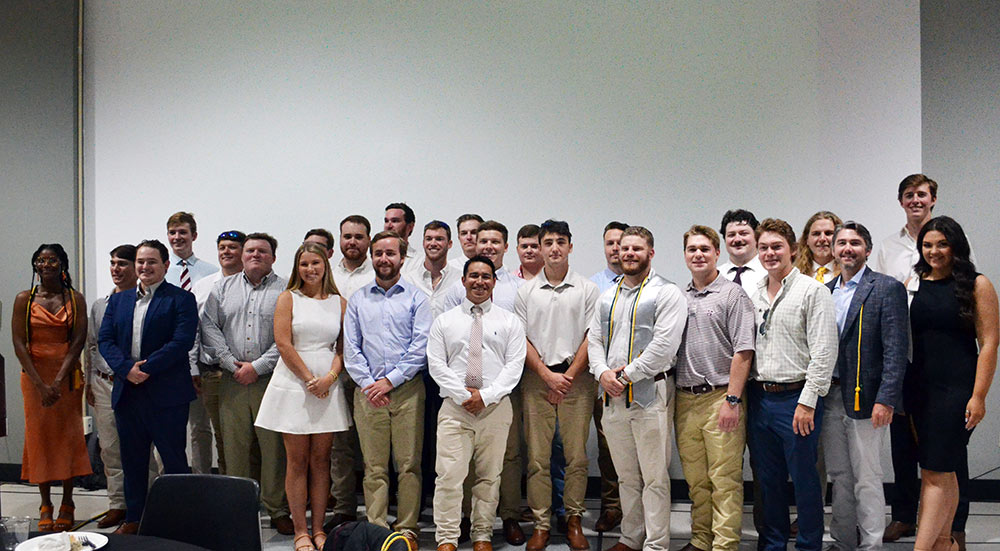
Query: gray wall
point(38, 160)
point(960, 73)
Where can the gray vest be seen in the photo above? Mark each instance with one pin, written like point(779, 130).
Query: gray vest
point(644, 391)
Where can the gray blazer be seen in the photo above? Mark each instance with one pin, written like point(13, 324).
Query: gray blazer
point(885, 344)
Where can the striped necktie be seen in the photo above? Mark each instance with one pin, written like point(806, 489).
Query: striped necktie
point(474, 366)
point(185, 276)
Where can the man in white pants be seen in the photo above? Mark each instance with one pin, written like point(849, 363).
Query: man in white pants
point(475, 353)
point(632, 345)
point(865, 390)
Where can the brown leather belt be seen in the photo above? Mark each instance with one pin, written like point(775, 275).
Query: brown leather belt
point(701, 389)
point(779, 387)
point(105, 376)
point(663, 375)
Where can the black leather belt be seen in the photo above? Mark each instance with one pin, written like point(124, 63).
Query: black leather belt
point(779, 387)
point(701, 389)
point(105, 376)
point(835, 381)
point(559, 367)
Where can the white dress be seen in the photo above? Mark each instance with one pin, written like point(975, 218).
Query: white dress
point(287, 405)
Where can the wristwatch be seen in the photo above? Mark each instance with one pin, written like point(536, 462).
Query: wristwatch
point(733, 400)
point(622, 379)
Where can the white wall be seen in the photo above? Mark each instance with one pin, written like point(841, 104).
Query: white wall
point(284, 116)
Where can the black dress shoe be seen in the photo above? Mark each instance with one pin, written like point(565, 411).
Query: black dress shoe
point(561, 525)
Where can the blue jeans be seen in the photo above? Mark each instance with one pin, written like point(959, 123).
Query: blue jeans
point(557, 469)
point(777, 453)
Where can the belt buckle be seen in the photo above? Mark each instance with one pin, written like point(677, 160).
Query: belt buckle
point(701, 389)
point(770, 387)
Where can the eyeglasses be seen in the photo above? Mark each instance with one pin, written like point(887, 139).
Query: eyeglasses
point(763, 325)
point(47, 262)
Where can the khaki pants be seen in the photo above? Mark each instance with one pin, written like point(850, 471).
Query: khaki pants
point(574, 414)
point(343, 482)
point(640, 440)
point(462, 437)
point(211, 384)
point(396, 429)
point(238, 407)
point(713, 467)
point(107, 430)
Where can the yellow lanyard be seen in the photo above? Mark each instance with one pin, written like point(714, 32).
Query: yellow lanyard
point(631, 340)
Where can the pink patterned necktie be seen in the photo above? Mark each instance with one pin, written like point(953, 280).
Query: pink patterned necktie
point(474, 367)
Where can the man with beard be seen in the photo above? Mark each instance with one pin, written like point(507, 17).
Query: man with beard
point(476, 355)
point(556, 308)
point(436, 275)
point(874, 345)
point(353, 272)
point(632, 343)
point(712, 368)
point(385, 351)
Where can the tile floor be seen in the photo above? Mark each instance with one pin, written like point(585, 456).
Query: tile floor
point(983, 532)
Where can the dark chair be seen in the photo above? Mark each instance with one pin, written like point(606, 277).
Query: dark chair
point(216, 512)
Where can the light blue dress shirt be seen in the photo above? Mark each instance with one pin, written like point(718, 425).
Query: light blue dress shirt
point(385, 333)
point(843, 295)
point(605, 279)
point(197, 269)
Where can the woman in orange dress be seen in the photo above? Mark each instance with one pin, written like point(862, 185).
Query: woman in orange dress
point(50, 329)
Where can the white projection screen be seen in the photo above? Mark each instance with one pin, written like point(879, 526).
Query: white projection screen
point(283, 116)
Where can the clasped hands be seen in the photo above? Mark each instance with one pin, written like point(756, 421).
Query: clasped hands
point(610, 382)
point(559, 386)
point(377, 393)
point(319, 386)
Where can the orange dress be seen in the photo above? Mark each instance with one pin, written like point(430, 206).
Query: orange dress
point(54, 445)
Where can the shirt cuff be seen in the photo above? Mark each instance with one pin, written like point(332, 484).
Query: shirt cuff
point(487, 394)
point(808, 398)
point(228, 363)
point(261, 367)
point(600, 371)
point(396, 378)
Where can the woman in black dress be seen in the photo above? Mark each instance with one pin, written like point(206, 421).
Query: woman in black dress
point(952, 310)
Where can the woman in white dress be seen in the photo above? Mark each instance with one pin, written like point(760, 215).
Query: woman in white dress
point(305, 400)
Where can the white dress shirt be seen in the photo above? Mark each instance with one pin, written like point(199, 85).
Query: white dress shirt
point(897, 254)
point(797, 335)
point(661, 352)
point(504, 293)
point(349, 281)
point(556, 317)
point(414, 259)
point(423, 279)
point(748, 280)
point(828, 275)
point(139, 316)
point(504, 348)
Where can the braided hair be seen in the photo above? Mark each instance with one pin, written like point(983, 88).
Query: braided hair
point(65, 280)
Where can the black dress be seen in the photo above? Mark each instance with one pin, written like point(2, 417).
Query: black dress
point(943, 372)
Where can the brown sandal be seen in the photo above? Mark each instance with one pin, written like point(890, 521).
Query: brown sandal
point(307, 546)
point(65, 520)
point(45, 518)
point(319, 540)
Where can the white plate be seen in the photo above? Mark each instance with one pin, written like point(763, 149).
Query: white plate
point(99, 540)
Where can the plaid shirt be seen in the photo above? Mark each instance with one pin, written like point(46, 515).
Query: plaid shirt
point(797, 335)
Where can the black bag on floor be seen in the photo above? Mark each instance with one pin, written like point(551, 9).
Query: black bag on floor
point(362, 536)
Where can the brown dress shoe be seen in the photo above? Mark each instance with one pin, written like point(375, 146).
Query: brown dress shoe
point(539, 539)
point(621, 547)
point(691, 547)
point(446, 547)
point(113, 518)
point(574, 534)
point(412, 537)
point(128, 529)
point(482, 546)
point(283, 525)
point(609, 520)
point(959, 538)
point(512, 532)
point(897, 530)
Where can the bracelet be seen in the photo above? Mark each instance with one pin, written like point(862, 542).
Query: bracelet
point(335, 375)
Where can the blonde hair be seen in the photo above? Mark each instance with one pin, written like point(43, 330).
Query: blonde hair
point(295, 280)
point(805, 260)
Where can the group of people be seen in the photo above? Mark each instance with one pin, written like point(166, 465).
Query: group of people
point(797, 348)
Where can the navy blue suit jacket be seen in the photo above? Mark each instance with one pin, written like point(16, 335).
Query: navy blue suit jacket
point(168, 333)
point(885, 344)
